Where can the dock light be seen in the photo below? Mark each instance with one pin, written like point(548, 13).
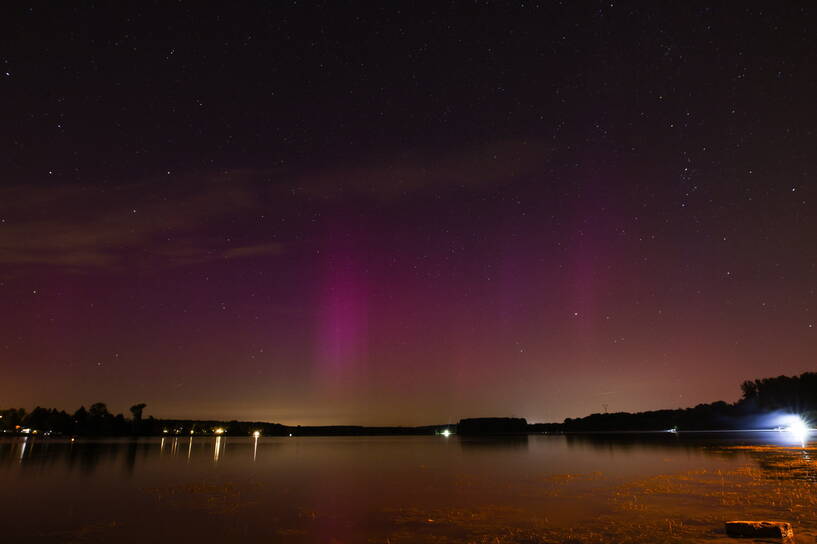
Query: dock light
point(446, 433)
point(192, 431)
point(256, 434)
point(218, 431)
point(164, 431)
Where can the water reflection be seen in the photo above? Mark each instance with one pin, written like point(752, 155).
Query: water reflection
point(771, 451)
point(674, 441)
point(130, 457)
point(341, 487)
point(217, 448)
point(478, 443)
point(89, 454)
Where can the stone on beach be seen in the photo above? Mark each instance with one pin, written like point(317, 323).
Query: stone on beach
point(759, 529)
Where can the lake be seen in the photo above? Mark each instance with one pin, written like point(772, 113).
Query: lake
point(537, 488)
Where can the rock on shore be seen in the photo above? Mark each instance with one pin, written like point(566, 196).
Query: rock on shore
point(760, 529)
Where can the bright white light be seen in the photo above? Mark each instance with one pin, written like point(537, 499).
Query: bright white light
point(798, 429)
point(218, 431)
point(446, 432)
point(256, 434)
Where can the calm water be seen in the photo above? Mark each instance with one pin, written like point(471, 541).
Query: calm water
point(339, 489)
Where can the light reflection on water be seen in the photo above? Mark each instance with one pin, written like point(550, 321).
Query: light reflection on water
point(217, 448)
point(348, 488)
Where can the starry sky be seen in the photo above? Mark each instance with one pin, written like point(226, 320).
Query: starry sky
point(407, 213)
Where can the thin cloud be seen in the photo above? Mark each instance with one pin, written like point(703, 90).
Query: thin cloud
point(136, 224)
point(404, 175)
point(253, 251)
point(41, 225)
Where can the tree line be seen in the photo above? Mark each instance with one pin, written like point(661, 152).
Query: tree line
point(96, 420)
point(791, 394)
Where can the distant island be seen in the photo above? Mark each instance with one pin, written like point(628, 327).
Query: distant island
point(789, 394)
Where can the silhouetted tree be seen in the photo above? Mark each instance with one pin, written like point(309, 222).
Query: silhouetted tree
point(136, 410)
point(50, 420)
point(11, 418)
point(98, 410)
point(80, 418)
point(749, 389)
point(793, 394)
point(37, 419)
point(119, 425)
point(99, 420)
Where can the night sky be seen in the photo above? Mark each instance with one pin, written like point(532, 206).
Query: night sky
point(317, 213)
